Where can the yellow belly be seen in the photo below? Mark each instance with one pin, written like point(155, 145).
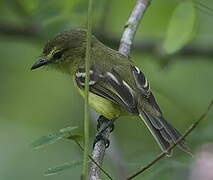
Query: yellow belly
point(103, 106)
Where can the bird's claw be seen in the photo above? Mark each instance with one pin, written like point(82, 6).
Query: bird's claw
point(100, 137)
point(101, 120)
point(102, 126)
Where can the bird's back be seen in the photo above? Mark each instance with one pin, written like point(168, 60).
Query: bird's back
point(108, 60)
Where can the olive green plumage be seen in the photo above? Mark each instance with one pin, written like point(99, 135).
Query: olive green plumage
point(117, 87)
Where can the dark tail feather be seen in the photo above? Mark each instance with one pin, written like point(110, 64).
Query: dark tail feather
point(175, 134)
point(163, 132)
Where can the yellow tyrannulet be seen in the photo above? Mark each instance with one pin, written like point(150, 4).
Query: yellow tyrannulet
point(116, 87)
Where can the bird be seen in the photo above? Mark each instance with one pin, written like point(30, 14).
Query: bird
point(117, 87)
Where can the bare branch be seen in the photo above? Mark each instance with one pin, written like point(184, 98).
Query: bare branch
point(98, 155)
point(125, 45)
point(163, 154)
point(132, 25)
point(114, 153)
point(90, 157)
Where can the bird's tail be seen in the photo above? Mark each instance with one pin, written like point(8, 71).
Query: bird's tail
point(163, 132)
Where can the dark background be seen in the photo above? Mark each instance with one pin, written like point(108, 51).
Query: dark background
point(36, 103)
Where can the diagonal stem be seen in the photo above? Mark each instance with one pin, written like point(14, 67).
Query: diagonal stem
point(163, 154)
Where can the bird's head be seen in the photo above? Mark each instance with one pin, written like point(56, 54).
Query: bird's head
point(63, 50)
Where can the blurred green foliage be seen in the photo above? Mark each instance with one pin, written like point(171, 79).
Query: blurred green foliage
point(36, 103)
point(184, 16)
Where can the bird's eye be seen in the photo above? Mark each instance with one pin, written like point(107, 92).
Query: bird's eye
point(57, 55)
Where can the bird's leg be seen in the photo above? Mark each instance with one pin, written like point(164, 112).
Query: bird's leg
point(99, 136)
point(101, 120)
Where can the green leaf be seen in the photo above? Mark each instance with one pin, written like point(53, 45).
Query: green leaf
point(62, 167)
point(45, 140)
point(54, 137)
point(181, 27)
point(67, 129)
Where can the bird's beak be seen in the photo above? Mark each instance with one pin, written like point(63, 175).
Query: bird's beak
point(39, 63)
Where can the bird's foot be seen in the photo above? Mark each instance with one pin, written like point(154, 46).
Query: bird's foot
point(100, 135)
point(109, 123)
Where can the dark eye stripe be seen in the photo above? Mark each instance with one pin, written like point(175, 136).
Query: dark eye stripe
point(57, 55)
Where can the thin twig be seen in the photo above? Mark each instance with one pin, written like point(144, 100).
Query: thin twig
point(98, 155)
point(116, 159)
point(132, 25)
point(163, 154)
point(91, 158)
point(125, 45)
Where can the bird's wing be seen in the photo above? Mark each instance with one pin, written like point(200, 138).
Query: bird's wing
point(108, 85)
point(141, 81)
point(152, 116)
point(111, 86)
